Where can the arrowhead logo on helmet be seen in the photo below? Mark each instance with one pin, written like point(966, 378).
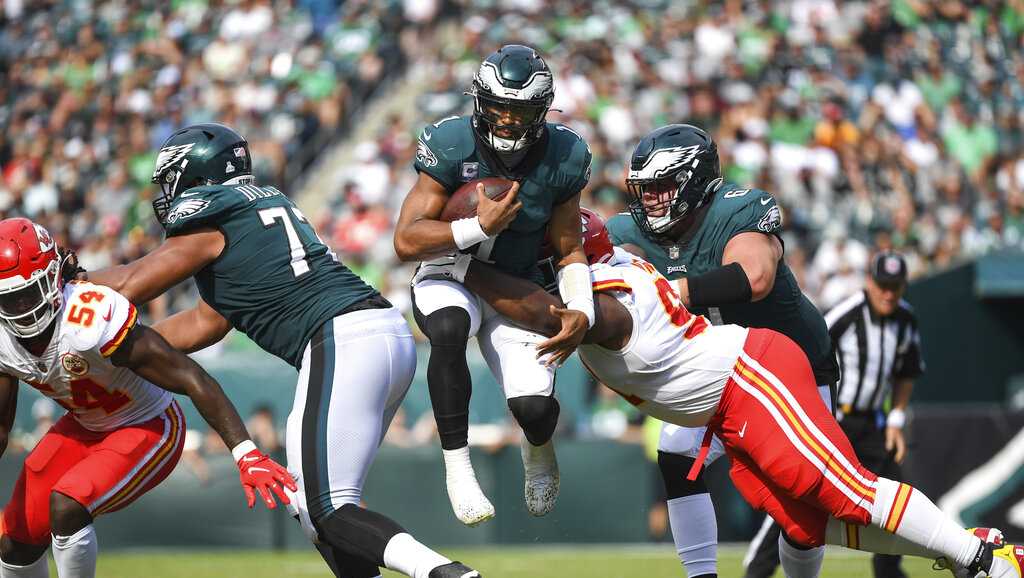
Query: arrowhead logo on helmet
point(30, 285)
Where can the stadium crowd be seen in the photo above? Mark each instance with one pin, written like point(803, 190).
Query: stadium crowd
point(89, 90)
point(877, 124)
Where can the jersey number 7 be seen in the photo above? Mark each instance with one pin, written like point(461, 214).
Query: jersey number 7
point(299, 259)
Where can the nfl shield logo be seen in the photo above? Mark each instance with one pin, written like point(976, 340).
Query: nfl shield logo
point(470, 171)
point(239, 152)
point(673, 252)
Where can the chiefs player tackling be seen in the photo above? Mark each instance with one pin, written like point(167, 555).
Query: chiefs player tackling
point(81, 345)
point(755, 390)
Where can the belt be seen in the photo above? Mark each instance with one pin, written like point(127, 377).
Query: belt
point(375, 301)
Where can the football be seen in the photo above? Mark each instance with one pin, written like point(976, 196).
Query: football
point(462, 203)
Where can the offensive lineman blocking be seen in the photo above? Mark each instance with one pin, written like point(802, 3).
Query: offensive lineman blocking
point(261, 268)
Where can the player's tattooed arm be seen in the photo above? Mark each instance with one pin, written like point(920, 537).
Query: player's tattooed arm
point(8, 405)
point(177, 259)
point(193, 329)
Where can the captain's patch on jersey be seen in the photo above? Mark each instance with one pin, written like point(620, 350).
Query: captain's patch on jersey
point(74, 364)
point(424, 155)
point(187, 208)
point(771, 221)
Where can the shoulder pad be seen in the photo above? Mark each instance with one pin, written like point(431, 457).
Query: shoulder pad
point(748, 210)
point(204, 207)
point(609, 278)
point(576, 156)
point(442, 146)
point(96, 318)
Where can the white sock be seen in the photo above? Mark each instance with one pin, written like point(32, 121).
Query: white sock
point(404, 554)
point(75, 555)
point(695, 532)
point(797, 563)
point(457, 465)
point(37, 569)
point(906, 522)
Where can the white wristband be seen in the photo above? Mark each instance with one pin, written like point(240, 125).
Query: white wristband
point(468, 232)
point(239, 451)
point(576, 291)
point(896, 418)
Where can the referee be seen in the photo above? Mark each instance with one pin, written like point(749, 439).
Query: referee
point(875, 335)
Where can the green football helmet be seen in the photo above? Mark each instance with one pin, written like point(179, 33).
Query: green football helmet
point(198, 155)
point(512, 92)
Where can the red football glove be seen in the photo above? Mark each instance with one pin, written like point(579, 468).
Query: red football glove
point(257, 471)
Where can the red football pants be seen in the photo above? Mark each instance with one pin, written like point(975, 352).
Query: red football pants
point(103, 471)
point(789, 456)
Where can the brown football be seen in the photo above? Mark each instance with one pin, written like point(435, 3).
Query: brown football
point(462, 203)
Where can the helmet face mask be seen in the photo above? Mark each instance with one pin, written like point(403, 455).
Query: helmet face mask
point(198, 155)
point(30, 287)
point(512, 93)
point(673, 172)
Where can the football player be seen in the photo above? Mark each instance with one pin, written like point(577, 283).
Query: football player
point(81, 344)
point(506, 136)
point(720, 243)
point(262, 269)
point(755, 390)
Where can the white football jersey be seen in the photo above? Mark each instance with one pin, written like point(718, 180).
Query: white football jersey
point(676, 364)
point(75, 370)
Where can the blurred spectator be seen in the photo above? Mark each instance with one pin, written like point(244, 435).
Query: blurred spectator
point(263, 431)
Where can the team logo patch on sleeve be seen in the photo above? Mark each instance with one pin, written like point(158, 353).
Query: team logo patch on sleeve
point(771, 221)
point(424, 155)
point(74, 364)
point(187, 208)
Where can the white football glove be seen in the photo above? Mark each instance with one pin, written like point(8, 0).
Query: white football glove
point(447, 268)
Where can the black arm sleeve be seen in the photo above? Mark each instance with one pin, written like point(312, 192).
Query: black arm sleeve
point(721, 286)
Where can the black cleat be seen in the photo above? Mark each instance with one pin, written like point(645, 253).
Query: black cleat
point(454, 570)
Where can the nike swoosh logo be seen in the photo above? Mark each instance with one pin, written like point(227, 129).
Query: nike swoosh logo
point(744, 430)
point(766, 200)
point(192, 194)
point(426, 135)
point(259, 470)
point(110, 313)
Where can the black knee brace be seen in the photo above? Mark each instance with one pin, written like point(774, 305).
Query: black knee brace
point(537, 415)
point(674, 469)
point(448, 376)
point(357, 532)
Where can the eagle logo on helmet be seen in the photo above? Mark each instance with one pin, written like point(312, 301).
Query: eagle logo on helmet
point(664, 160)
point(538, 85)
point(169, 156)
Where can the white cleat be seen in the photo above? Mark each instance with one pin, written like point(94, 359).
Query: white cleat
point(541, 472)
point(469, 503)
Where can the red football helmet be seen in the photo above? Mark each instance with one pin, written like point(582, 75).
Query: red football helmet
point(596, 243)
point(30, 281)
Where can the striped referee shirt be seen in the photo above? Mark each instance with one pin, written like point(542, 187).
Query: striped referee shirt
point(873, 351)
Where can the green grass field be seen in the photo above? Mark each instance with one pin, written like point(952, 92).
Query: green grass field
point(609, 561)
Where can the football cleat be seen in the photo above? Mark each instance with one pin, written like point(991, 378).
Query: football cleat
point(988, 536)
point(454, 570)
point(468, 501)
point(541, 474)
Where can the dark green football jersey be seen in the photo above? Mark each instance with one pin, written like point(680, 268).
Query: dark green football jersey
point(732, 211)
point(276, 281)
point(553, 170)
